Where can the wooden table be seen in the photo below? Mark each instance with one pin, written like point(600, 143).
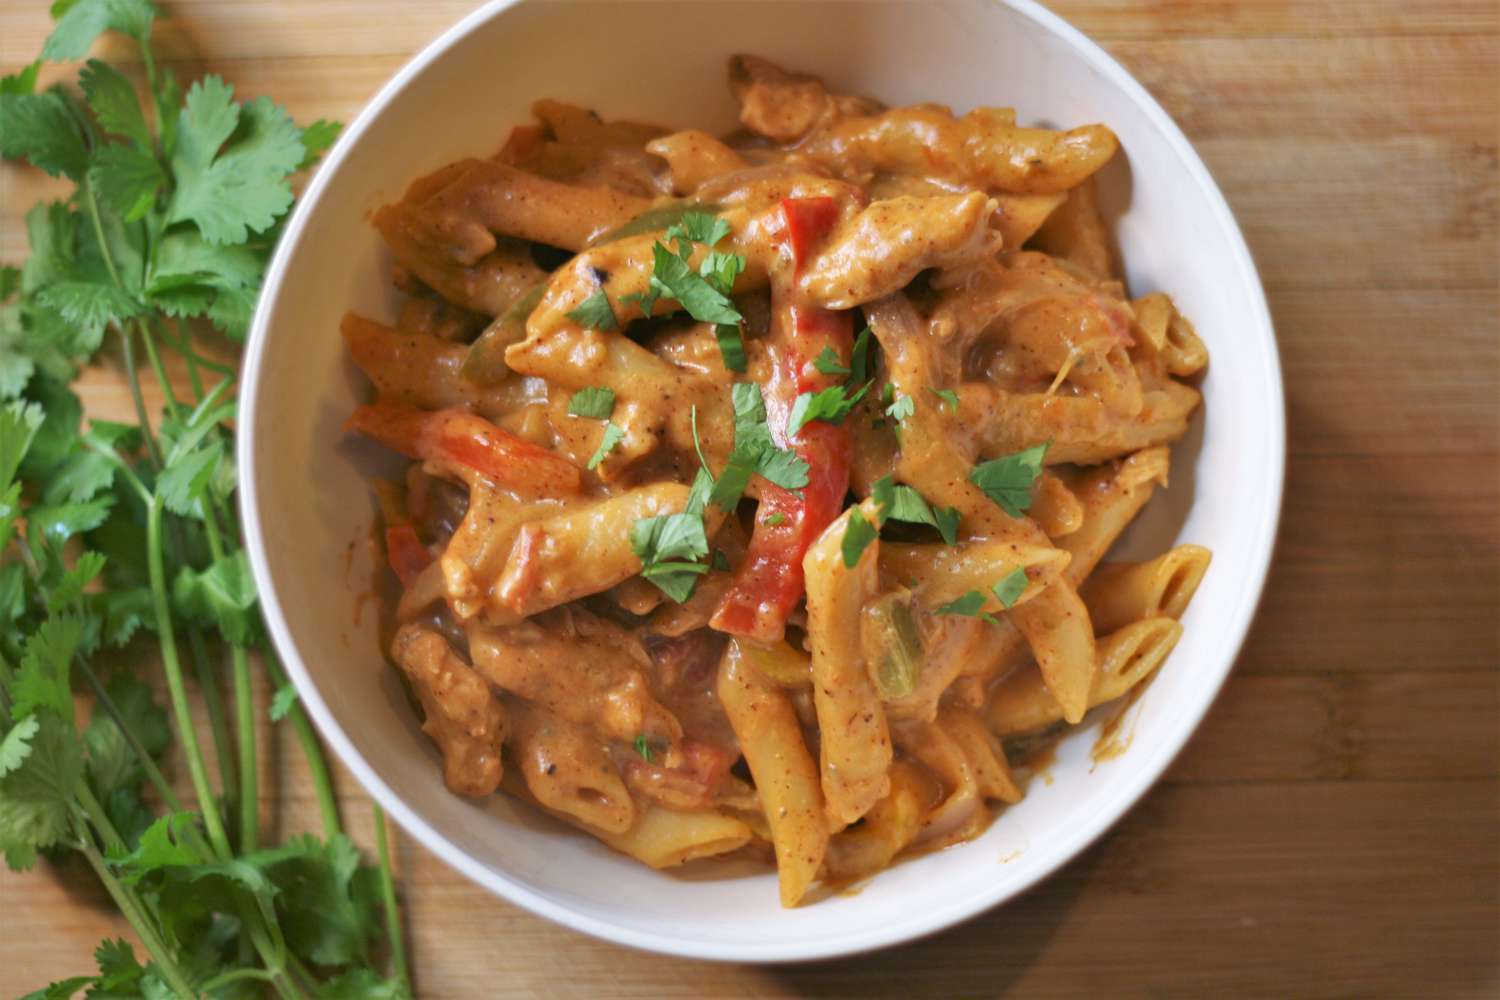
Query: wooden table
point(1334, 828)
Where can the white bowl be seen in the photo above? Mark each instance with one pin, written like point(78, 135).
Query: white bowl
point(306, 499)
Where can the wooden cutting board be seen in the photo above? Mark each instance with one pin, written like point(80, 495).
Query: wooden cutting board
point(1334, 828)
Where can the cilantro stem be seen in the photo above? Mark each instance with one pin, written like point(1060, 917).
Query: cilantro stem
point(97, 816)
point(142, 755)
point(109, 258)
point(175, 687)
point(244, 705)
point(133, 380)
point(312, 750)
point(161, 958)
point(388, 898)
point(206, 672)
point(235, 976)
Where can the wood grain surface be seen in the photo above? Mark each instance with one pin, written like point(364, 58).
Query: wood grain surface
point(1334, 828)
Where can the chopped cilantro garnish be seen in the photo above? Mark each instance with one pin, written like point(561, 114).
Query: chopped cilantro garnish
point(969, 605)
point(1007, 480)
point(697, 226)
point(948, 396)
point(754, 451)
point(612, 436)
point(900, 405)
point(858, 535)
point(595, 402)
point(1011, 587)
point(721, 269)
point(669, 546)
point(731, 346)
point(643, 747)
point(828, 362)
point(594, 312)
point(831, 405)
point(904, 503)
point(776, 519)
point(859, 360)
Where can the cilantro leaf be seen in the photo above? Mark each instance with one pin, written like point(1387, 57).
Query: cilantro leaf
point(112, 100)
point(118, 969)
point(41, 128)
point(16, 745)
point(697, 226)
point(163, 844)
point(731, 346)
point(948, 396)
point(968, 605)
point(783, 467)
point(859, 358)
point(90, 304)
point(1007, 480)
point(754, 451)
point(111, 761)
point(127, 179)
point(776, 520)
point(613, 435)
point(63, 989)
point(78, 477)
point(361, 984)
point(70, 587)
point(899, 406)
point(947, 519)
point(830, 405)
point(185, 481)
point(317, 138)
point(46, 666)
point(595, 402)
point(242, 189)
point(700, 492)
point(673, 277)
point(221, 597)
point(904, 503)
point(669, 546)
point(23, 81)
point(1011, 587)
point(858, 534)
point(18, 426)
point(828, 362)
point(722, 269)
point(54, 439)
point(595, 312)
point(85, 20)
point(282, 702)
point(325, 898)
point(36, 797)
point(643, 747)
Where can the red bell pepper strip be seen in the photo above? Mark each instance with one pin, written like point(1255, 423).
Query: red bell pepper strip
point(405, 552)
point(769, 583)
point(462, 443)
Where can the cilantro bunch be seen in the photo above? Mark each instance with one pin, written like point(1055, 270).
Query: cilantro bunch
point(111, 533)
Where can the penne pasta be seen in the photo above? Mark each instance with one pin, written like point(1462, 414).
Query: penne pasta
point(1120, 593)
point(1076, 232)
point(786, 778)
point(1020, 703)
point(855, 743)
point(581, 551)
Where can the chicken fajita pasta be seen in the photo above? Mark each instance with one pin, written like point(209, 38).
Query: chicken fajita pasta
point(760, 485)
